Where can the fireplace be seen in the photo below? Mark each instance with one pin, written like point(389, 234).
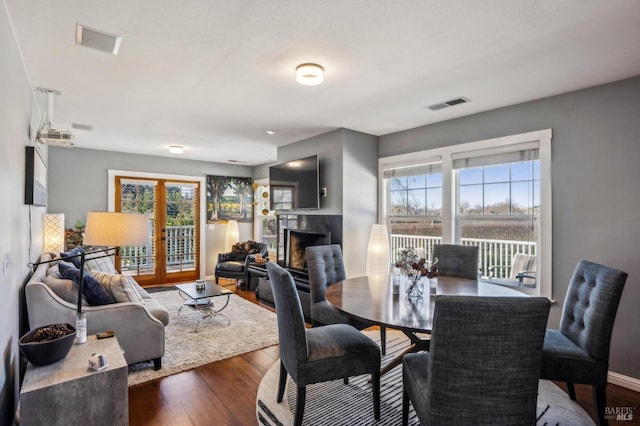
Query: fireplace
point(295, 243)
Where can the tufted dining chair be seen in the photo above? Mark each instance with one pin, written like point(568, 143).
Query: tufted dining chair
point(579, 351)
point(483, 365)
point(457, 261)
point(319, 354)
point(325, 265)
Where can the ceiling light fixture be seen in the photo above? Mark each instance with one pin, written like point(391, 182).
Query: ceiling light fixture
point(309, 74)
point(271, 132)
point(176, 149)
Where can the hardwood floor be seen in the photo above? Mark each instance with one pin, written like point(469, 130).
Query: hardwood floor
point(224, 393)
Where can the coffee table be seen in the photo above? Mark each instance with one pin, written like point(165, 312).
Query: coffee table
point(202, 300)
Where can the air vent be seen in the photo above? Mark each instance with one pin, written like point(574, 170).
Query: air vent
point(98, 40)
point(447, 104)
point(78, 126)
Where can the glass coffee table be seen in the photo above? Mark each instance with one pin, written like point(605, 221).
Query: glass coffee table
point(202, 300)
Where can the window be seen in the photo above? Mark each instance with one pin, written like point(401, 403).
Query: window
point(495, 194)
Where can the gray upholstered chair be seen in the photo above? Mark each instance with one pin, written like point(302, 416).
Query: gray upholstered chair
point(325, 266)
point(318, 354)
point(235, 264)
point(457, 260)
point(483, 365)
point(579, 351)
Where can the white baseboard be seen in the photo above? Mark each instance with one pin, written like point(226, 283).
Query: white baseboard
point(624, 381)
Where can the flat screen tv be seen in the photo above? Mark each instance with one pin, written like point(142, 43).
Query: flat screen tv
point(296, 241)
point(294, 185)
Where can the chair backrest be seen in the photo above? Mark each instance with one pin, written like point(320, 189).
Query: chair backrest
point(457, 260)
point(292, 335)
point(325, 266)
point(590, 307)
point(485, 359)
point(522, 263)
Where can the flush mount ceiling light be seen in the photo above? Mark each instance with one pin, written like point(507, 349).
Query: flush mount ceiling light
point(97, 39)
point(176, 149)
point(271, 132)
point(309, 74)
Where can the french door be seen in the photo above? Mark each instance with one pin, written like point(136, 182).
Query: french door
point(172, 252)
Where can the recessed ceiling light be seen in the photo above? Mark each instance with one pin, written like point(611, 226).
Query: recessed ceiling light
point(176, 149)
point(271, 132)
point(309, 74)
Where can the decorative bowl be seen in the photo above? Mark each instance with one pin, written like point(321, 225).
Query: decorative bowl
point(46, 352)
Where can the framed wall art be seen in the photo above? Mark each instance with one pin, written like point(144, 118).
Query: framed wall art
point(229, 198)
point(35, 185)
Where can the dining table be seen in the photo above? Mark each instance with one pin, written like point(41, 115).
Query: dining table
point(372, 298)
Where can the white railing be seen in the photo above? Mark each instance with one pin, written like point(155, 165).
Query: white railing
point(492, 252)
point(180, 252)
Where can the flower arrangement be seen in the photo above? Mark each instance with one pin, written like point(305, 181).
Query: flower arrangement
point(414, 268)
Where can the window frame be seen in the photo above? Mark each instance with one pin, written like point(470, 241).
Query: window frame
point(446, 156)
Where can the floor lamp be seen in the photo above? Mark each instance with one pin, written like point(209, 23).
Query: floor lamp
point(111, 230)
point(378, 258)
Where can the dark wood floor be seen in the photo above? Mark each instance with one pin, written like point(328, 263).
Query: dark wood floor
point(224, 393)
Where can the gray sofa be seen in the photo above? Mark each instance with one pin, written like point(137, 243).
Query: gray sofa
point(139, 322)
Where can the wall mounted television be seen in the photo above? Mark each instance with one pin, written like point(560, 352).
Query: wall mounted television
point(295, 243)
point(294, 185)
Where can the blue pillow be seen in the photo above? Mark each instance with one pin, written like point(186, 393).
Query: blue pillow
point(74, 252)
point(92, 290)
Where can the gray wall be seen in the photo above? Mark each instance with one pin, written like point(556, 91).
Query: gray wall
point(78, 183)
point(20, 225)
point(348, 169)
point(595, 174)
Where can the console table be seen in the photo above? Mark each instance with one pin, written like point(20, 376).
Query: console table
point(68, 392)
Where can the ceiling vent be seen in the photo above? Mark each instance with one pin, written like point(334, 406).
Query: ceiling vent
point(98, 40)
point(447, 104)
point(79, 126)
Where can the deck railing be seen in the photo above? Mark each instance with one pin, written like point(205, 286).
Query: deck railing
point(181, 251)
point(492, 252)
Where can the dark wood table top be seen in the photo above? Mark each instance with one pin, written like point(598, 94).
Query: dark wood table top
point(371, 298)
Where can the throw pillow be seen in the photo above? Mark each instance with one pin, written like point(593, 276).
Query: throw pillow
point(67, 290)
point(92, 290)
point(72, 256)
point(99, 262)
point(119, 286)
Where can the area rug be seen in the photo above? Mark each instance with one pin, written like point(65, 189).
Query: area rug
point(335, 403)
point(252, 327)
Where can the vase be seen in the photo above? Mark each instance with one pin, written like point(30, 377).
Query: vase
point(414, 286)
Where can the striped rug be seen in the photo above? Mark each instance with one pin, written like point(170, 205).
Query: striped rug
point(334, 403)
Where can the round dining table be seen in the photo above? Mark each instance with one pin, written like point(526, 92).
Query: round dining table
point(371, 298)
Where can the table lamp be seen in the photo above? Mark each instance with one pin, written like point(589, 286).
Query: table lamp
point(231, 234)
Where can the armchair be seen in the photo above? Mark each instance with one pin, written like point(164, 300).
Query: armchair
point(522, 270)
point(235, 264)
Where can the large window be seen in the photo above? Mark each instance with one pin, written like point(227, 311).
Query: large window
point(494, 194)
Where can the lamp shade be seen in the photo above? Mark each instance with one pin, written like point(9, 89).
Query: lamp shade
point(116, 229)
point(54, 233)
point(231, 234)
point(378, 257)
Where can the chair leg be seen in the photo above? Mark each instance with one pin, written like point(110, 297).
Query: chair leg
point(383, 339)
point(346, 380)
point(600, 402)
point(157, 364)
point(571, 391)
point(405, 408)
point(282, 382)
point(302, 395)
point(375, 384)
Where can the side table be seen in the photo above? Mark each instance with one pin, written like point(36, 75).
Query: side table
point(68, 392)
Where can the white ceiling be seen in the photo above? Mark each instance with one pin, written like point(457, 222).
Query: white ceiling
point(214, 75)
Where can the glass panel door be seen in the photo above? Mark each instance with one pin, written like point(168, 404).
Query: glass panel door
point(172, 253)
